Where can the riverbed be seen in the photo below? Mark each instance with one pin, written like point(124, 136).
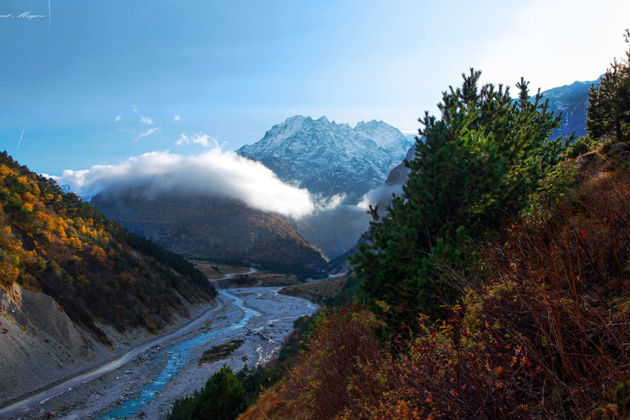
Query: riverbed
point(147, 385)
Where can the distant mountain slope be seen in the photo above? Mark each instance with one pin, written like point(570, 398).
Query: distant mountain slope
point(212, 228)
point(333, 231)
point(572, 101)
point(329, 158)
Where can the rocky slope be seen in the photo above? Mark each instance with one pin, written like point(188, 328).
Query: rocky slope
point(329, 158)
point(74, 284)
point(572, 101)
point(218, 229)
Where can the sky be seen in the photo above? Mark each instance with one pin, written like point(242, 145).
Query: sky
point(98, 82)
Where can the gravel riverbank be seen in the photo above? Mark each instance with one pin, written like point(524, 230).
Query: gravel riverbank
point(268, 324)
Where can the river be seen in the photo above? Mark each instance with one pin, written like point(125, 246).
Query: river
point(144, 382)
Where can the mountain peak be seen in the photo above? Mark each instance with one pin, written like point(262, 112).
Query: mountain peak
point(297, 118)
point(371, 123)
point(384, 134)
point(330, 158)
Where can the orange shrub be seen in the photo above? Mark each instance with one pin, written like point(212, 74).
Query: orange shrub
point(341, 365)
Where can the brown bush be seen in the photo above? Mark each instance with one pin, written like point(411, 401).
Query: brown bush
point(561, 294)
point(545, 337)
point(341, 365)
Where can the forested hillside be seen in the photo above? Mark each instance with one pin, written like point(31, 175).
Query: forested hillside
point(497, 285)
point(97, 272)
point(216, 229)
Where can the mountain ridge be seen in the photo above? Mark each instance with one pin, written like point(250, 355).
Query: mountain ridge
point(330, 158)
point(572, 101)
point(217, 229)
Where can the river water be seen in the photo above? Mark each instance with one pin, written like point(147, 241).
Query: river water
point(177, 357)
point(146, 381)
point(265, 308)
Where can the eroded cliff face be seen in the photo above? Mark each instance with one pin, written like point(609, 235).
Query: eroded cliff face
point(41, 345)
point(38, 342)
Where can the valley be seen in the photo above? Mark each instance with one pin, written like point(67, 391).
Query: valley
point(203, 226)
point(146, 380)
point(230, 276)
point(315, 210)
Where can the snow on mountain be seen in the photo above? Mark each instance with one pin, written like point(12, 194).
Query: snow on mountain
point(329, 158)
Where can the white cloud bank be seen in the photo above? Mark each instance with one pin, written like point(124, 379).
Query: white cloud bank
point(215, 173)
point(380, 196)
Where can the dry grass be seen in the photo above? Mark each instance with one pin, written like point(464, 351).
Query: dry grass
point(561, 294)
point(317, 291)
point(215, 270)
point(337, 369)
point(546, 337)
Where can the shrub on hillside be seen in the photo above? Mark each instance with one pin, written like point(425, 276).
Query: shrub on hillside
point(545, 337)
point(472, 173)
point(341, 364)
point(222, 398)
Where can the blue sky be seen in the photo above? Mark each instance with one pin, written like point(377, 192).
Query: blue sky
point(76, 83)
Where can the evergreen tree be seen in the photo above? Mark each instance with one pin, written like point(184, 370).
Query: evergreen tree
point(609, 101)
point(472, 172)
point(222, 398)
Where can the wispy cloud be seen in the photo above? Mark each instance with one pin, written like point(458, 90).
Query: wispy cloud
point(21, 136)
point(49, 16)
point(177, 118)
point(199, 138)
point(118, 118)
point(146, 120)
point(146, 133)
point(134, 108)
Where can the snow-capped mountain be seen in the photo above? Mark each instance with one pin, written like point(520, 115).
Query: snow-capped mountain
point(329, 158)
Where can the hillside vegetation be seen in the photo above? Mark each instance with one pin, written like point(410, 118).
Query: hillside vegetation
point(215, 229)
point(497, 285)
point(98, 272)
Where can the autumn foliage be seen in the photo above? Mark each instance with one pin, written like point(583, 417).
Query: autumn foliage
point(545, 336)
point(54, 243)
point(341, 365)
